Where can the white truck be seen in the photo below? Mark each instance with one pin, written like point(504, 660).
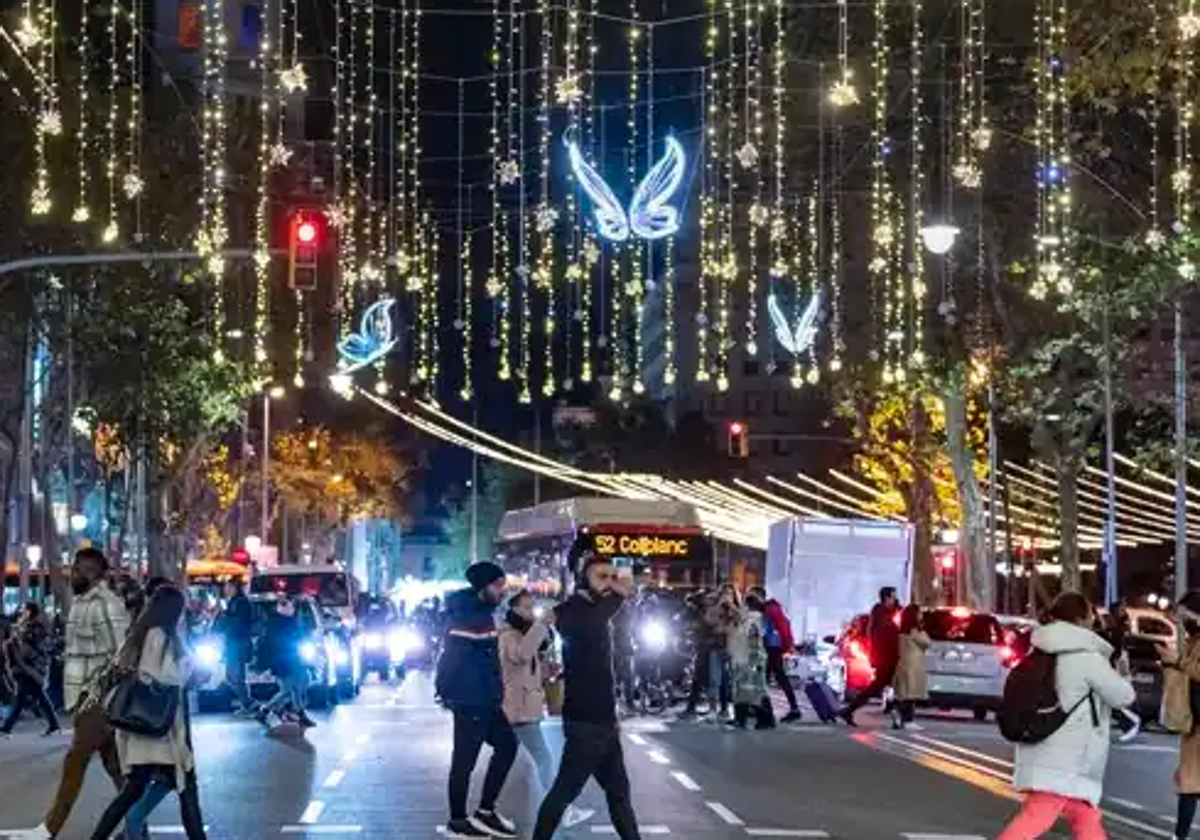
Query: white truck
point(826, 571)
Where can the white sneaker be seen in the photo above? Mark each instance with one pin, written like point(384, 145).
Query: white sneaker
point(1135, 729)
point(574, 816)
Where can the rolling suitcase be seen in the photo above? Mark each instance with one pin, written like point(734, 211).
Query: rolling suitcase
point(822, 699)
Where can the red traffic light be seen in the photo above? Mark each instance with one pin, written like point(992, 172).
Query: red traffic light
point(948, 562)
point(736, 428)
point(306, 232)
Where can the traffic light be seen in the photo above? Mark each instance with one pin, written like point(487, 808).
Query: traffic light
point(738, 440)
point(306, 235)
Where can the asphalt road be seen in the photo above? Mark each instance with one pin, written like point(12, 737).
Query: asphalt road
point(377, 767)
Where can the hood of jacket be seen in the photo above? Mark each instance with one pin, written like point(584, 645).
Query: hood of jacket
point(1061, 637)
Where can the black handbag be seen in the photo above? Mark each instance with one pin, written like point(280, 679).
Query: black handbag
point(143, 706)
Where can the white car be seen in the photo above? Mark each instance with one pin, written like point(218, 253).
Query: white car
point(968, 661)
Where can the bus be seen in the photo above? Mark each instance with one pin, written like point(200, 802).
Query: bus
point(661, 542)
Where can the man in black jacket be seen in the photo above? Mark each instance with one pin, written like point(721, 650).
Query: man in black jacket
point(470, 685)
point(883, 629)
point(592, 739)
point(235, 627)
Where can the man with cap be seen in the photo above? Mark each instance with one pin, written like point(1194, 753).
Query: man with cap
point(592, 740)
point(470, 685)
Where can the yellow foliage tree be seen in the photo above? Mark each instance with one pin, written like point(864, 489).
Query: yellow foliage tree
point(334, 479)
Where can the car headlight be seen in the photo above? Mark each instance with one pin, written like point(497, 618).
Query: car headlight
point(208, 654)
point(337, 653)
point(373, 641)
point(308, 652)
point(404, 642)
point(654, 635)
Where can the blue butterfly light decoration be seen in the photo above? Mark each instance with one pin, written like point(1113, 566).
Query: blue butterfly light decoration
point(800, 338)
point(650, 215)
point(375, 338)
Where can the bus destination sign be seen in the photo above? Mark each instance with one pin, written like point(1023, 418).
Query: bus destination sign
point(642, 545)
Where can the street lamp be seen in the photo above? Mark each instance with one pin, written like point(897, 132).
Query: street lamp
point(79, 522)
point(940, 238)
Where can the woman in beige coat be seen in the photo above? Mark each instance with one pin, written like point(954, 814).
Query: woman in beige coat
point(910, 682)
point(524, 640)
point(1187, 776)
point(155, 649)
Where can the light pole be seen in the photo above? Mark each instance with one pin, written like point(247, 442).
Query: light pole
point(273, 393)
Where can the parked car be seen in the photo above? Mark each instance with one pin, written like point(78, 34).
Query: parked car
point(326, 649)
point(849, 669)
point(1146, 674)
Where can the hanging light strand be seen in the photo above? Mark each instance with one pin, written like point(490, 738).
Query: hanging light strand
point(1183, 176)
point(732, 156)
point(884, 235)
point(1054, 198)
point(547, 215)
point(755, 136)
point(132, 183)
point(709, 253)
point(112, 152)
point(268, 45)
point(38, 35)
point(910, 292)
point(83, 143)
point(338, 214)
point(570, 95)
point(525, 251)
point(502, 176)
point(590, 248)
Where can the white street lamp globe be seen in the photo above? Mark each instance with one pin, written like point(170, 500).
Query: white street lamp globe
point(939, 239)
point(79, 521)
point(253, 544)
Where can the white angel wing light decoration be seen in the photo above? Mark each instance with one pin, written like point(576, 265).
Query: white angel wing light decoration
point(800, 338)
point(650, 214)
point(375, 338)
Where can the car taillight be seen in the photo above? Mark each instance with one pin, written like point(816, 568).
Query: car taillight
point(857, 651)
point(1008, 656)
point(961, 612)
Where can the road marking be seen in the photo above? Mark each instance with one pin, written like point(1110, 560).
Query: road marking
point(786, 832)
point(1167, 818)
point(154, 829)
point(645, 829)
point(1124, 803)
point(637, 739)
point(362, 739)
point(322, 829)
point(943, 837)
point(658, 757)
point(1157, 748)
point(976, 754)
point(349, 756)
point(725, 814)
point(1138, 824)
point(312, 813)
point(334, 779)
point(684, 779)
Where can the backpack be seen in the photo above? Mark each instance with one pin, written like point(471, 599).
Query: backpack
point(771, 637)
point(1030, 711)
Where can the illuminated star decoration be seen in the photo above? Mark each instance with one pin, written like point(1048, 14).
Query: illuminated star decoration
point(375, 338)
point(799, 339)
point(293, 79)
point(650, 214)
point(567, 90)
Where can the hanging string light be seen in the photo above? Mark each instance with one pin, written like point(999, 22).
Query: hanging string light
point(968, 169)
point(1183, 177)
point(341, 160)
point(38, 36)
point(910, 292)
point(425, 234)
point(778, 233)
point(83, 143)
point(132, 182)
point(1154, 109)
point(589, 253)
point(759, 216)
point(709, 223)
point(733, 157)
point(577, 274)
point(546, 222)
point(1053, 185)
point(268, 45)
point(843, 93)
point(505, 172)
point(112, 228)
point(884, 234)
point(213, 233)
point(635, 288)
point(466, 313)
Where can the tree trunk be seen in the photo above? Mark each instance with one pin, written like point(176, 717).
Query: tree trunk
point(978, 578)
point(1069, 467)
point(921, 509)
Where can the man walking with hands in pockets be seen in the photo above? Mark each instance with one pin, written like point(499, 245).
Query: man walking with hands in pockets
point(592, 738)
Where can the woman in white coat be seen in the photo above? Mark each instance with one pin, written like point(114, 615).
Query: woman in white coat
point(155, 648)
point(1063, 776)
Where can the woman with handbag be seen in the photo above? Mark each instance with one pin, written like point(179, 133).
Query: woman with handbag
point(524, 640)
point(1181, 696)
point(148, 713)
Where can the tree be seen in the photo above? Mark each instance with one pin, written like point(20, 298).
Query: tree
point(477, 515)
point(331, 478)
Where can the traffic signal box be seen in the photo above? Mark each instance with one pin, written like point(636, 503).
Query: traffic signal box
point(738, 440)
point(306, 236)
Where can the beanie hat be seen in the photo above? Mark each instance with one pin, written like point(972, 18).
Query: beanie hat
point(483, 574)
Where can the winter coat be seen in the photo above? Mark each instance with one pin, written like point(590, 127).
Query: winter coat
point(748, 660)
point(521, 664)
point(773, 612)
point(885, 637)
point(910, 682)
point(1071, 761)
point(161, 662)
point(96, 628)
point(31, 647)
point(468, 671)
point(1187, 778)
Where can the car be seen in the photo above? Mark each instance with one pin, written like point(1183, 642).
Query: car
point(968, 661)
point(848, 670)
point(1146, 675)
point(326, 650)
